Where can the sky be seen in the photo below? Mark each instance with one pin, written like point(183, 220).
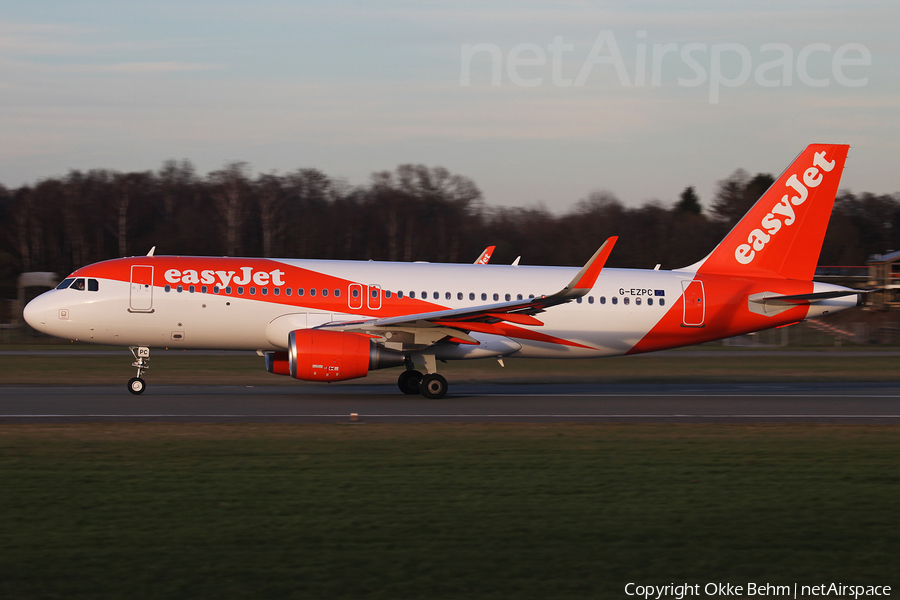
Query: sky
point(540, 103)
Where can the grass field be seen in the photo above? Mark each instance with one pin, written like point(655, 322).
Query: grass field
point(681, 366)
point(440, 511)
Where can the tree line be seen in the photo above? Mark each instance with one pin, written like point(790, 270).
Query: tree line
point(411, 213)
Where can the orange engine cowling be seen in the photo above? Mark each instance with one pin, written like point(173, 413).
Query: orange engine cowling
point(277, 363)
point(316, 355)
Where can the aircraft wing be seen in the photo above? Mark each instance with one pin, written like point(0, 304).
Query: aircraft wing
point(457, 322)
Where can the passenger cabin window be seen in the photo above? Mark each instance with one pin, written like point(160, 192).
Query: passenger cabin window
point(602, 299)
point(662, 301)
point(180, 289)
point(324, 292)
point(496, 297)
point(649, 301)
point(387, 293)
point(277, 291)
point(626, 300)
point(508, 297)
point(204, 289)
point(215, 289)
point(400, 293)
point(518, 296)
point(447, 296)
point(412, 294)
point(252, 291)
point(337, 293)
point(615, 300)
point(312, 291)
point(240, 290)
point(355, 293)
point(300, 291)
point(288, 291)
point(578, 300)
point(471, 295)
point(483, 296)
point(192, 289)
point(590, 299)
point(459, 295)
point(265, 291)
point(227, 289)
point(436, 295)
point(168, 288)
point(65, 283)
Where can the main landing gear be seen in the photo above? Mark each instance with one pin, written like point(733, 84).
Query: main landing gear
point(432, 385)
point(136, 385)
point(409, 382)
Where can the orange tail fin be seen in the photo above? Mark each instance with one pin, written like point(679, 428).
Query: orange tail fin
point(782, 234)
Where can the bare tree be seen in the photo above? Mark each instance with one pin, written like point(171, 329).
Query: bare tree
point(174, 175)
point(230, 190)
point(270, 199)
point(21, 217)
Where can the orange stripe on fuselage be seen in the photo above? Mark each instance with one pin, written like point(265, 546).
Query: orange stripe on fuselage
point(727, 312)
point(293, 277)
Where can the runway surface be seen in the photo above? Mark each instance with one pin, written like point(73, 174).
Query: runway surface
point(472, 403)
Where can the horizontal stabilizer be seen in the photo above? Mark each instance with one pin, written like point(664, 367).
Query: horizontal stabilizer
point(803, 298)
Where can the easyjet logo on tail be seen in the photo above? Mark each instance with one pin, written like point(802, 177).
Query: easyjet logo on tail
point(782, 213)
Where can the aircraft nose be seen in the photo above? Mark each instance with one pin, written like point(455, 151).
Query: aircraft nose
point(36, 312)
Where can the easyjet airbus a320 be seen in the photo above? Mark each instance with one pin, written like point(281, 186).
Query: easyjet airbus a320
point(320, 320)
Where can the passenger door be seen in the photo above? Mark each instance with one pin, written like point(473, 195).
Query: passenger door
point(140, 298)
point(694, 304)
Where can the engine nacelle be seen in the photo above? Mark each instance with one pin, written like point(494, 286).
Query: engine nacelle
point(277, 363)
point(317, 355)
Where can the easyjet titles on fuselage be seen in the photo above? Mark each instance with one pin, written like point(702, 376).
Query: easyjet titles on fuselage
point(758, 238)
point(225, 278)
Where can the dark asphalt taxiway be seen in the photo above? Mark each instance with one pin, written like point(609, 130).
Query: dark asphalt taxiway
point(467, 403)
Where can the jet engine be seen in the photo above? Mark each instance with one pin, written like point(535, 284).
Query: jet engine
point(277, 363)
point(316, 355)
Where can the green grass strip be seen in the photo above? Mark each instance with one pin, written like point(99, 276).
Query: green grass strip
point(440, 511)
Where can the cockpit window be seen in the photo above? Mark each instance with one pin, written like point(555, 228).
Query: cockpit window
point(93, 285)
point(65, 283)
point(79, 284)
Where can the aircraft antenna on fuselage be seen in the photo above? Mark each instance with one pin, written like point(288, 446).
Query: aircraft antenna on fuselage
point(152, 250)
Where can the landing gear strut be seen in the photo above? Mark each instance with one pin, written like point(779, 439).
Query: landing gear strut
point(136, 385)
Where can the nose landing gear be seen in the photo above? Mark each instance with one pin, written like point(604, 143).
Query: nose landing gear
point(136, 385)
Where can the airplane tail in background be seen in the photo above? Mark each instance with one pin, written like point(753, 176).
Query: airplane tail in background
point(782, 234)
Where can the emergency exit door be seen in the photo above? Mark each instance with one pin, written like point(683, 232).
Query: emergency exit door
point(694, 304)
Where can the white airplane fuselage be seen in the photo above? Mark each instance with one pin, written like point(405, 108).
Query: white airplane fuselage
point(321, 320)
point(624, 306)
